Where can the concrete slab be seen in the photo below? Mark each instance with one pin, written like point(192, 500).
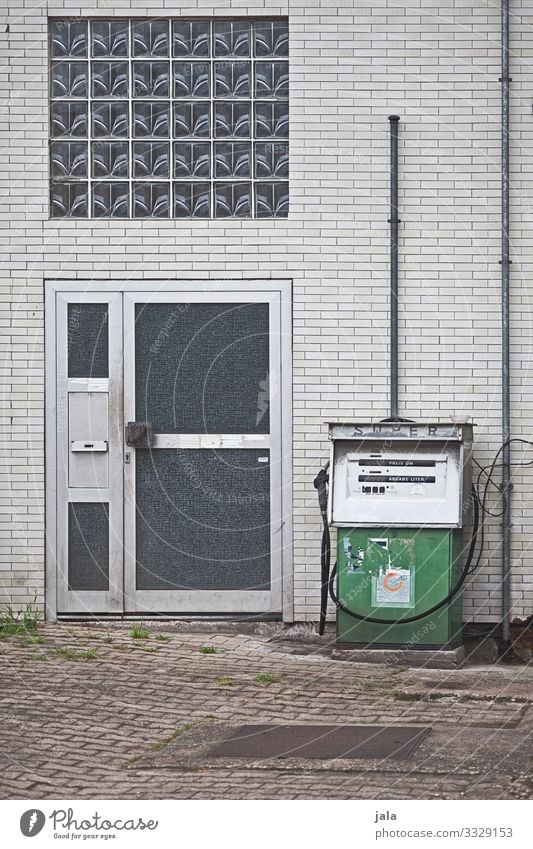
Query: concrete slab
point(441, 659)
point(464, 762)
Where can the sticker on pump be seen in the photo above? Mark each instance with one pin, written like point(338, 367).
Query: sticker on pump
point(393, 588)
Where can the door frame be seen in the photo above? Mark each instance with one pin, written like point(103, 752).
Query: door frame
point(79, 287)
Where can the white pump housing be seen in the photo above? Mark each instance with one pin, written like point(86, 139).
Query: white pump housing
point(400, 474)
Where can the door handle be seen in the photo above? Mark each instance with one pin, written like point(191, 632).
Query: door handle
point(139, 434)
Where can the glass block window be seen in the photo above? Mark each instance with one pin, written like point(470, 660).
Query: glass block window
point(169, 118)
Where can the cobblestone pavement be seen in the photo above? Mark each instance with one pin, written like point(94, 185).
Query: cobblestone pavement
point(91, 712)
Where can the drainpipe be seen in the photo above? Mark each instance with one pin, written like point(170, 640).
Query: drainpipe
point(394, 221)
point(506, 485)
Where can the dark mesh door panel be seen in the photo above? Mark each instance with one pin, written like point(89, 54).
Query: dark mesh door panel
point(87, 340)
point(202, 368)
point(203, 519)
point(88, 546)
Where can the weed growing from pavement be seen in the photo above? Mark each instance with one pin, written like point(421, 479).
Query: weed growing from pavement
point(31, 640)
point(19, 623)
point(224, 681)
point(157, 745)
point(208, 650)
point(140, 632)
point(160, 744)
point(267, 678)
point(71, 654)
point(162, 638)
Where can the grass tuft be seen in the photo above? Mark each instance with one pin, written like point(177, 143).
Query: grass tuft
point(21, 623)
point(267, 678)
point(208, 650)
point(140, 632)
point(31, 640)
point(71, 654)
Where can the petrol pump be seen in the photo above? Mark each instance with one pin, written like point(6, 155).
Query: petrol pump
point(400, 495)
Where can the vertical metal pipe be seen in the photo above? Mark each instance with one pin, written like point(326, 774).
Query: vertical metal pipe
point(394, 221)
point(505, 263)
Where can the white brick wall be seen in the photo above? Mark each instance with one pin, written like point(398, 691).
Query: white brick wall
point(353, 62)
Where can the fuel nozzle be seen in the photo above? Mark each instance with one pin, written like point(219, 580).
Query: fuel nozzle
point(321, 485)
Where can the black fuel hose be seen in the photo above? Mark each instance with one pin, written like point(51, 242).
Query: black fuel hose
point(325, 559)
point(321, 484)
point(376, 620)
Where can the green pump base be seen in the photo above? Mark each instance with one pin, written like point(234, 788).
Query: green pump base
point(392, 573)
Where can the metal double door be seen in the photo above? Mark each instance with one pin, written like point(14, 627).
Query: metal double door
point(167, 451)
